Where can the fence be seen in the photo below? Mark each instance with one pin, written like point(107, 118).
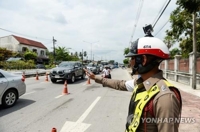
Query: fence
point(180, 70)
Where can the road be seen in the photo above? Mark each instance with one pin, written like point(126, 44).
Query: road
point(88, 107)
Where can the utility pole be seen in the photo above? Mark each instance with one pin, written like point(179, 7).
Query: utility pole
point(194, 53)
point(82, 56)
point(54, 52)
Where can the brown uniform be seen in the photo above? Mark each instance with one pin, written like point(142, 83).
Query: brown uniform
point(165, 103)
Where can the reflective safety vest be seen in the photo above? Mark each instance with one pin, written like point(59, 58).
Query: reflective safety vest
point(139, 100)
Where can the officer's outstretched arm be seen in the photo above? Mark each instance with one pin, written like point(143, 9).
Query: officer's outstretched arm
point(115, 84)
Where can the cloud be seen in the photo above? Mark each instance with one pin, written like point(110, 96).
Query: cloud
point(73, 21)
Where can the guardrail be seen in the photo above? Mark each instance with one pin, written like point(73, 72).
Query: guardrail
point(31, 73)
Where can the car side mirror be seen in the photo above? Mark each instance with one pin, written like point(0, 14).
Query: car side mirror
point(76, 66)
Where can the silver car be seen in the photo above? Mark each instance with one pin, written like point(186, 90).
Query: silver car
point(11, 88)
point(93, 68)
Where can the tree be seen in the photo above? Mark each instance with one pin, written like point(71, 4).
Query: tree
point(62, 54)
point(76, 54)
point(169, 41)
point(111, 62)
point(84, 53)
point(126, 51)
point(126, 61)
point(30, 55)
point(181, 32)
point(174, 52)
point(192, 6)
point(5, 54)
point(81, 55)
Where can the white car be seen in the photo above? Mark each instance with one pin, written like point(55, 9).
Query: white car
point(11, 88)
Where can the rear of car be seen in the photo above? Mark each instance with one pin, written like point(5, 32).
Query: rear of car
point(11, 88)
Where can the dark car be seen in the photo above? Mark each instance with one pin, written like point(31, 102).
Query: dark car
point(40, 66)
point(67, 70)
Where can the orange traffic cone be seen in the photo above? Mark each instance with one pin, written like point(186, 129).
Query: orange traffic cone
point(53, 130)
point(65, 90)
point(47, 79)
point(23, 76)
point(88, 81)
point(37, 77)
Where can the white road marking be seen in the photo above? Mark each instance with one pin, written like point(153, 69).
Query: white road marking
point(29, 93)
point(58, 96)
point(78, 126)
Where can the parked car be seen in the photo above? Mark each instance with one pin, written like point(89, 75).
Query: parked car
point(93, 68)
point(40, 66)
point(67, 70)
point(11, 88)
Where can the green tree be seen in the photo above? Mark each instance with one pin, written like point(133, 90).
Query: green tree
point(76, 54)
point(111, 62)
point(174, 52)
point(30, 55)
point(62, 54)
point(169, 41)
point(126, 51)
point(5, 54)
point(84, 53)
point(126, 61)
point(181, 31)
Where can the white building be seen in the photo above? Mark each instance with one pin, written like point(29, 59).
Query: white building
point(20, 45)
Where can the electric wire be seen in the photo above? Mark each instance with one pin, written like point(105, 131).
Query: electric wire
point(162, 27)
point(161, 13)
point(137, 18)
point(22, 34)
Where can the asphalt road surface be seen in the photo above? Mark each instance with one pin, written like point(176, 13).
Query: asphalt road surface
point(87, 107)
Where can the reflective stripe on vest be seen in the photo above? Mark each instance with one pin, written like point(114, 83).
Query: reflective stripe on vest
point(143, 98)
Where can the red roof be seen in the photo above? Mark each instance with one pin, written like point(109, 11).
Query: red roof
point(29, 42)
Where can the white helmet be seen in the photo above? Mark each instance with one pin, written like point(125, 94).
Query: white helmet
point(149, 46)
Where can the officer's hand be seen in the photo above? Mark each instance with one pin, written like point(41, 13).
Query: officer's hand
point(89, 74)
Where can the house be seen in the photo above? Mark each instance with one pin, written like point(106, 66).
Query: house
point(20, 45)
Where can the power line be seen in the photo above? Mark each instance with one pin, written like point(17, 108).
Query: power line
point(137, 18)
point(22, 34)
point(162, 27)
point(161, 13)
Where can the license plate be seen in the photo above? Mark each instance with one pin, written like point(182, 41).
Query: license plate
point(57, 76)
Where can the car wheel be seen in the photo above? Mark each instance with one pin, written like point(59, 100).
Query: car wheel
point(83, 76)
point(73, 78)
point(9, 98)
point(53, 80)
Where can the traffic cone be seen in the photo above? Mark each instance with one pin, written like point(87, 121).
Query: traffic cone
point(37, 77)
point(53, 130)
point(88, 81)
point(65, 90)
point(47, 79)
point(23, 76)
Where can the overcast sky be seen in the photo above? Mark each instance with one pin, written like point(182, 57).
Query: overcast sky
point(105, 25)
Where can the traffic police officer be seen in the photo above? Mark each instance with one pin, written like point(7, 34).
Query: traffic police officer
point(155, 105)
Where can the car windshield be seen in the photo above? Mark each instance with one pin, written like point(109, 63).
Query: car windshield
point(92, 65)
point(65, 64)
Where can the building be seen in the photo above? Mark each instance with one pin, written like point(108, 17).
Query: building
point(21, 45)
